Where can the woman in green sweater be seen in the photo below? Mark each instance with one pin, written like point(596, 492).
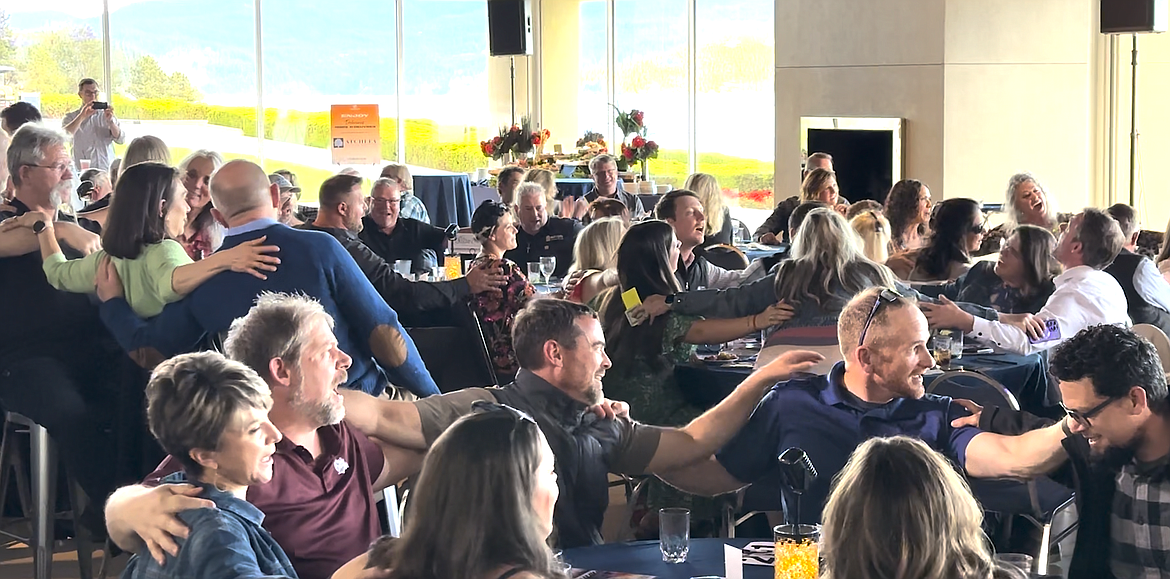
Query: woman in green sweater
point(147, 213)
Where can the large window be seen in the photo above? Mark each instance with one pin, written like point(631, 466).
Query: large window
point(446, 92)
point(651, 76)
point(593, 111)
point(735, 111)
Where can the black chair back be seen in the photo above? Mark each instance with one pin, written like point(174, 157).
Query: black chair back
point(725, 256)
point(456, 356)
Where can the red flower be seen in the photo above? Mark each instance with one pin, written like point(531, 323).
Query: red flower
point(637, 142)
point(628, 153)
point(497, 140)
point(637, 116)
point(535, 139)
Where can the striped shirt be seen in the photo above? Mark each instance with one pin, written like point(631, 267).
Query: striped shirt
point(1140, 523)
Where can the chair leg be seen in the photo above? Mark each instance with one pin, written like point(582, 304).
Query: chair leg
point(44, 500)
point(83, 538)
point(7, 454)
point(1041, 565)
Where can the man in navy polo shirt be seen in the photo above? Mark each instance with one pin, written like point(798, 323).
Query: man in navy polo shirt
point(877, 391)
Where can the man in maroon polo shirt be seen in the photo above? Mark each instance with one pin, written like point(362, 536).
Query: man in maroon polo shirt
point(320, 504)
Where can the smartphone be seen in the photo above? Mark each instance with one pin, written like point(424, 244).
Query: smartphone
point(98, 105)
point(1051, 332)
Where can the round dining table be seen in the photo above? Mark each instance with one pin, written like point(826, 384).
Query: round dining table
point(704, 560)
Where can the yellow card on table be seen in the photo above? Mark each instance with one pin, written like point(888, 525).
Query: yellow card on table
point(631, 299)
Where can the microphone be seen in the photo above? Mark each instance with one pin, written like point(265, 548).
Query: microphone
point(797, 474)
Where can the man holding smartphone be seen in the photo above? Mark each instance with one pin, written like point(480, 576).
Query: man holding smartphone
point(94, 127)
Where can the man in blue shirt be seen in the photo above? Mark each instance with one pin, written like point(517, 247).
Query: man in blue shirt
point(876, 391)
point(312, 263)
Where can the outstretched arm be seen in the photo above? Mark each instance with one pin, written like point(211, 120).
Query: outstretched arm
point(1025, 456)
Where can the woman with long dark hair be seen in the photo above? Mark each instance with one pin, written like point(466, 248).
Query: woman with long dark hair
point(908, 209)
point(1019, 282)
point(644, 356)
point(146, 216)
point(487, 491)
point(956, 232)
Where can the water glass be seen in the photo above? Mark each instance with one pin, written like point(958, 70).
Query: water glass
point(548, 264)
point(534, 272)
point(453, 264)
point(797, 553)
point(403, 267)
point(674, 534)
point(1015, 560)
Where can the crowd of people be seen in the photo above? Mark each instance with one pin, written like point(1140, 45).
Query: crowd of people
point(269, 351)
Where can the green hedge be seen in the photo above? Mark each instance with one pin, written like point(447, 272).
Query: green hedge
point(422, 145)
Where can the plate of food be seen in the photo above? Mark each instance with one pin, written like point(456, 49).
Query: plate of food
point(720, 358)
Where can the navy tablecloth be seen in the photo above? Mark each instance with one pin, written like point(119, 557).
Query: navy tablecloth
point(447, 197)
point(644, 557)
point(1026, 376)
point(573, 187)
point(754, 252)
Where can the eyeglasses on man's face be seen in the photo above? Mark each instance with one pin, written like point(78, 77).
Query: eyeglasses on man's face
point(1083, 418)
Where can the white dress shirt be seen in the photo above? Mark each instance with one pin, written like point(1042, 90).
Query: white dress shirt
point(1150, 284)
point(1084, 297)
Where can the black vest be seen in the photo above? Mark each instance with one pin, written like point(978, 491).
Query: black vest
point(581, 443)
point(692, 278)
point(1140, 310)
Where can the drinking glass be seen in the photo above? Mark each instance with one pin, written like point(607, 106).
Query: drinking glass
point(548, 264)
point(534, 272)
point(674, 534)
point(84, 164)
point(454, 266)
point(942, 350)
point(1017, 560)
point(403, 267)
point(797, 554)
point(956, 342)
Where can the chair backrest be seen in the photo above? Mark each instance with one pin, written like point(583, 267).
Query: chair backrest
point(1161, 342)
point(456, 356)
point(725, 256)
point(744, 233)
point(973, 386)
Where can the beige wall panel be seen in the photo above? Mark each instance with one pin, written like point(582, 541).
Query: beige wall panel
point(858, 32)
point(1006, 31)
point(909, 92)
point(560, 51)
point(1001, 119)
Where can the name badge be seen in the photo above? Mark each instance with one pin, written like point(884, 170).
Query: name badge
point(554, 238)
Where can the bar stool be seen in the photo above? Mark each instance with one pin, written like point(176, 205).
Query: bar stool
point(44, 495)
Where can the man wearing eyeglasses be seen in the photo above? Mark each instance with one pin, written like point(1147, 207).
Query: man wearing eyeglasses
point(94, 127)
point(877, 391)
point(1118, 423)
point(606, 184)
point(394, 237)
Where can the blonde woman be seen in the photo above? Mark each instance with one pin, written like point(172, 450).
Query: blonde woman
point(594, 258)
point(570, 207)
point(718, 228)
point(147, 148)
point(899, 510)
point(874, 231)
point(412, 207)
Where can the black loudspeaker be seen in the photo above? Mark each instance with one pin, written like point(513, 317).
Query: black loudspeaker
point(509, 27)
point(1125, 16)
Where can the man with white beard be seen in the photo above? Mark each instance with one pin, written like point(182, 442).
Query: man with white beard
point(58, 364)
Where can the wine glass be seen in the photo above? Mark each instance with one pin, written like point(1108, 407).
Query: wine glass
point(547, 265)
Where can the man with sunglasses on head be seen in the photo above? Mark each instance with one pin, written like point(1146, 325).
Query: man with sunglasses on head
point(877, 391)
point(1118, 445)
point(1085, 295)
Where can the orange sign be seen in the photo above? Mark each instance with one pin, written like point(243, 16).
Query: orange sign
point(354, 136)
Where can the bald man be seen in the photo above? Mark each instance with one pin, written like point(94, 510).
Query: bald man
point(312, 263)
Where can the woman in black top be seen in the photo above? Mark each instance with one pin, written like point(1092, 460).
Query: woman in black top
point(1019, 282)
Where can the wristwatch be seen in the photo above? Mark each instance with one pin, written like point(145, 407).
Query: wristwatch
point(670, 299)
point(39, 227)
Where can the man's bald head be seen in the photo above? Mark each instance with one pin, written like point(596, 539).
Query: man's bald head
point(241, 186)
point(855, 314)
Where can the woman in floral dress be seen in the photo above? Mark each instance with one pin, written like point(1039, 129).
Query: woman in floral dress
point(495, 228)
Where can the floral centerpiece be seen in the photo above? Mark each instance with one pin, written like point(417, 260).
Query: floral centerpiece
point(638, 149)
point(517, 140)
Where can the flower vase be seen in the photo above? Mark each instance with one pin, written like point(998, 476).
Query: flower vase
point(645, 170)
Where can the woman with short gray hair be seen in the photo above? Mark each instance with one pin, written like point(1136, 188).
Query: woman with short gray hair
point(211, 414)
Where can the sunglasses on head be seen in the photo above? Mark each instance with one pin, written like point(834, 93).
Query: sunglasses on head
point(886, 296)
